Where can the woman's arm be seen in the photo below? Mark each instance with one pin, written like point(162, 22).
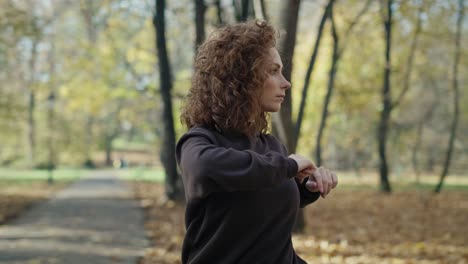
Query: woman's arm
point(207, 167)
point(320, 183)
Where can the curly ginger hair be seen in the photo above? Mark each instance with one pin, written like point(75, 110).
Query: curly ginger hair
point(229, 73)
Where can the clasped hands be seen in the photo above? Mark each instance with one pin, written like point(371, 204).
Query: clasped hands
point(320, 179)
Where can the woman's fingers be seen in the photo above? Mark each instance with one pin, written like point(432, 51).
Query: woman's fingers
point(330, 181)
point(325, 179)
point(334, 179)
point(318, 179)
point(312, 186)
point(307, 172)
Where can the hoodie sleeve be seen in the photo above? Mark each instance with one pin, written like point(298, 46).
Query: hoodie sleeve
point(306, 196)
point(208, 168)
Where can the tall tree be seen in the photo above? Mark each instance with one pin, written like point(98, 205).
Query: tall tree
point(331, 80)
point(200, 9)
point(388, 105)
point(51, 100)
point(386, 101)
point(428, 113)
point(111, 130)
point(456, 95)
point(88, 11)
point(410, 59)
point(282, 121)
point(172, 182)
point(95, 18)
point(31, 121)
point(260, 10)
point(406, 85)
point(310, 69)
point(337, 53)
point(243, 10)
point(219, 12)
point(32, 30)
point(288, 21)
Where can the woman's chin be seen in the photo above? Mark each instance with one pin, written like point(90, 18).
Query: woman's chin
point(274, 109)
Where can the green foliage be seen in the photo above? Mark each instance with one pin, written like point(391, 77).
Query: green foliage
point(107, 90)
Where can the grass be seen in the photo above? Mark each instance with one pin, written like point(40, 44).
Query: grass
point(25, 176)
point(403, 182)
point(406, 186)
point(19, 189)
point(347, 180)
point(142, 174)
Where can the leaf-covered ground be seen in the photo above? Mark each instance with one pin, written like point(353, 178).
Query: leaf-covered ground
point(164, 222)
point(15, 197)
point(349, 226)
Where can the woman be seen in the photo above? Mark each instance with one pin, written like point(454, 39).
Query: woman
point(242, 190)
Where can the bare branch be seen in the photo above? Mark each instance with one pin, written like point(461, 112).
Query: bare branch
point(353, 23)
point(409, 63)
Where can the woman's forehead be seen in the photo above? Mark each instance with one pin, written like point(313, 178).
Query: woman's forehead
point(274, 57)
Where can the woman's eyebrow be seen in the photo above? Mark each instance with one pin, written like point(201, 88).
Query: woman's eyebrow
point(276, 64)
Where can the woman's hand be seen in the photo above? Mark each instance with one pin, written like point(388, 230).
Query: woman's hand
point(321, 180)
point(304, 166)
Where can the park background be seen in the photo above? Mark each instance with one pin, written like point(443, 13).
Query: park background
point(378, 94)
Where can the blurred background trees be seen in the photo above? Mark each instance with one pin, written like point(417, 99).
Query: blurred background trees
point(81, 81)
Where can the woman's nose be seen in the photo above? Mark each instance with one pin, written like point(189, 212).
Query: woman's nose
point(285, 85)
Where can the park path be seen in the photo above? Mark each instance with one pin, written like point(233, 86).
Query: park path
point(93, 221)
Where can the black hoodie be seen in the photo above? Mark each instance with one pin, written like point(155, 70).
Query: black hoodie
point(242, 198)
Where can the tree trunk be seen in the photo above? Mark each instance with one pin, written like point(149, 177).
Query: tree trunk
point(406, 85)
point(31, 128)
point(108, 149)
point(219, 12)
point(51, 127)
point(200, 9)
point(31, 124)
point(288, 21)
point(108, 146)
point(417, 146)
point(112, 131)
point(456, 103)
point(51, 104)
point(339, 52)
point(419, 135)
point(310, 69)
point(172, 182)
point(88, 147)
point(386, 104)
point(88, 12)
point(243, 9)
point(331, 82)
point(260, 10)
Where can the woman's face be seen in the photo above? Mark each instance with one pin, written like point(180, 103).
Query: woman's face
point(275, 86)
